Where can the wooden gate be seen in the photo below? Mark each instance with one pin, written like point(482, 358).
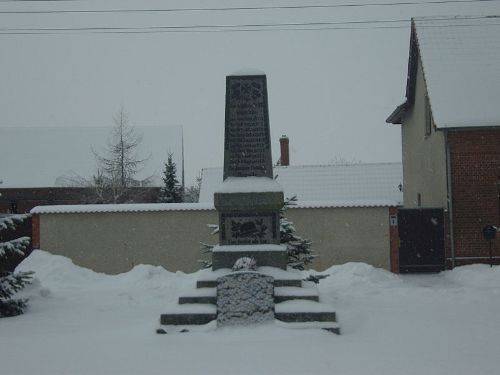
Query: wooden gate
point(421, 240)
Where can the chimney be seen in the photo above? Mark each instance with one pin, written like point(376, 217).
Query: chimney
point(285, 155)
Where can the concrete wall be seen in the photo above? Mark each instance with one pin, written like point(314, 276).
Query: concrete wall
point(424, 156)
point(115, 242)
point(340, 235)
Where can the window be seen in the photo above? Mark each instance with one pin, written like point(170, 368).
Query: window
point(428, 117)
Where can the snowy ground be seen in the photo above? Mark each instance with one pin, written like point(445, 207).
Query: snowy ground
point(80, 322)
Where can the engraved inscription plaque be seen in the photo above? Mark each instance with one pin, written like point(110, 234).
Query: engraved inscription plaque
point(247, 147)
point(249, 228)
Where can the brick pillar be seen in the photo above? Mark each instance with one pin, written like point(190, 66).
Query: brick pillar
point(35, 225)
point(285, 152)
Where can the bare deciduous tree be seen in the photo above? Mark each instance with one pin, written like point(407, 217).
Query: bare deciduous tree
point(119, 163)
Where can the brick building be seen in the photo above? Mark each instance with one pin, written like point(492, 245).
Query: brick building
point(22, 200)
point(451, 142)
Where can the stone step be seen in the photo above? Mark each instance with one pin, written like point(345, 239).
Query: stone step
point(287, 282)
point(188, 314)
point(203, 295)
point(306, 316)
point(197, 299)
point(304, 311)
point(186, 319)
point(208, 278)
point(282, 294)
point(277, 299)
point(207, 283)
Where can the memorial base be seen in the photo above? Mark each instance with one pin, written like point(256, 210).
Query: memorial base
point(265, 255)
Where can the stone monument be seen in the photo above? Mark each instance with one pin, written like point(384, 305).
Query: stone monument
point(248, 204)
point(249, 200)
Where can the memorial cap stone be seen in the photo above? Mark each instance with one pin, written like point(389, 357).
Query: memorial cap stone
point(247, 145)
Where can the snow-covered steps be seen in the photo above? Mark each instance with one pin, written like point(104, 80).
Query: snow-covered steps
point(296, 303)
point(201, 295)
point(189, 314)
point(282, 294)
point(304, 311)
point(282, 278)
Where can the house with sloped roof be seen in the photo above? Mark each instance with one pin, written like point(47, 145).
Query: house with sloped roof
point(350, 185)
point(450, 126)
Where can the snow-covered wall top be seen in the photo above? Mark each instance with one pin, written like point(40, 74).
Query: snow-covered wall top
point(461, 64)
point(152, 207)
point(133, 207)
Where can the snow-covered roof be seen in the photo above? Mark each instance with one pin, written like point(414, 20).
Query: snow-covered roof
point(374, 184)
point(41, 156)
point(461, 63)
point(132, 207)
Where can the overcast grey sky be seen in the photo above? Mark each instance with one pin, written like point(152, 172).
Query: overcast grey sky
point(330, 91)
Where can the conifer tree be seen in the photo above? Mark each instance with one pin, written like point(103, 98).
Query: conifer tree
point(171, 191)
point(299, 249)
point(12, 282)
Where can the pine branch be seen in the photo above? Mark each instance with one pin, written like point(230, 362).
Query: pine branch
point(16, 246)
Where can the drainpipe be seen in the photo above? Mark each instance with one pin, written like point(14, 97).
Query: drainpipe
point(449, 198)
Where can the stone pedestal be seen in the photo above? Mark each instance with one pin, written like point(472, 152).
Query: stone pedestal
point(245, 298)
point(249, 222)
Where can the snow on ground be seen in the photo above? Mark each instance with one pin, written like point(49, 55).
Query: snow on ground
point(81, 322)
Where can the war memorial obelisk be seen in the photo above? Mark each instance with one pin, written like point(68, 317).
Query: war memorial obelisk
point(248, 204)
point(249, 200)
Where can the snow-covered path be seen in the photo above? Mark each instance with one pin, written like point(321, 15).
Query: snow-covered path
point(80, 322)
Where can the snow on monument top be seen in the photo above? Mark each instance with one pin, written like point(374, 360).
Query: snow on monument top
point(248, 72)
point(249, 185)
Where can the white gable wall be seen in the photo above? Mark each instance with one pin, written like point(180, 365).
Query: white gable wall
point(424, 157)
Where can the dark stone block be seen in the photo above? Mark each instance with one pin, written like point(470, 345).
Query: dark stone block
point(197, 299)
point(287, 282)
point(306, 316)
point(206, 283)
point(186, 319)
point(247, 145)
